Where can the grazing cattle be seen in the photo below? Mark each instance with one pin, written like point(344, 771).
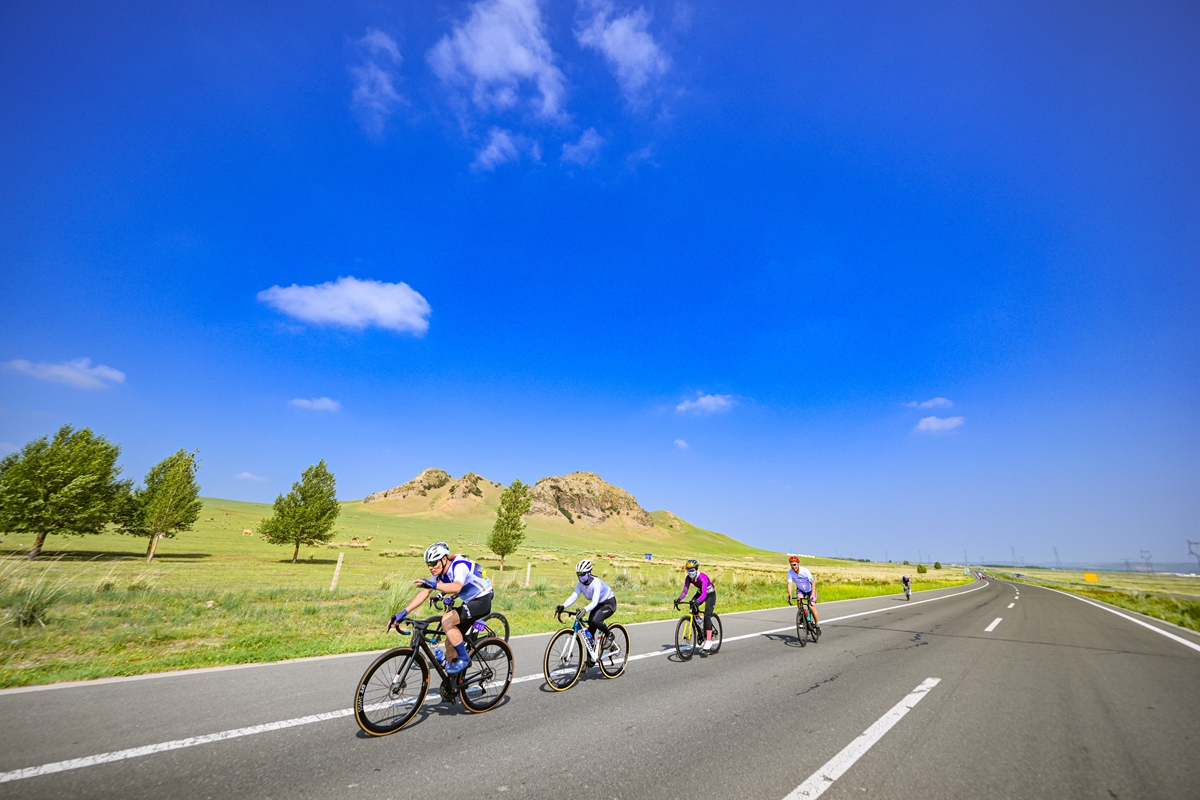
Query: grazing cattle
point(247, 532)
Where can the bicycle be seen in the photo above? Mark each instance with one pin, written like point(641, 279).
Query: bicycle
point(907, 592)
point(806, 626)
point(564, 660)
point(391, 691)
point(689, 632)
point(489, 625)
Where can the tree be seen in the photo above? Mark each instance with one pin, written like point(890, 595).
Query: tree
point(509, 530)
point(67, 486)
point(921, 568)
point(305, 516)
point(168, 503)
point(937, 565)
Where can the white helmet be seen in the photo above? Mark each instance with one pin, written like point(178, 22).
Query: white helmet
point(436, 552)
point(583, 566)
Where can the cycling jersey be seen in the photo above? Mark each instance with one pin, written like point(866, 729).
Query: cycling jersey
point(596, 592)
point(703, 586)
point(471, 575)
point(802, 578)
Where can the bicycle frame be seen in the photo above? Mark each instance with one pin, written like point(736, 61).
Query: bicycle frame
point(594, 650)
point(422, 630)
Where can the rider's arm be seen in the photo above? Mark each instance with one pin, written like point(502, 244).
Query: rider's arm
point(454, 587)
point(595, 599)
point(703, 588)
point(687, 582)
point(574, 596)
point(418, 600)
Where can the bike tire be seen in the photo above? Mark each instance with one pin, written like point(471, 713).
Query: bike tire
point(685, 638)
point(488, 677)
point(614, 661)
point(380, 706)
point(563, 662)
point(717, 635)
point(800, 626)
point(495, 626)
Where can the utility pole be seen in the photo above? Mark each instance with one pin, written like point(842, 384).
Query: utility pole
point(1014, 554)
point(1128, 567)
point(966, 561)
point(1146, 557)
point(918, 555)
point(1192, 551)
point(1057, 562)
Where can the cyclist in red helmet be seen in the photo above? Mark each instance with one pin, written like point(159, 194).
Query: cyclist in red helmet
point(805, 585)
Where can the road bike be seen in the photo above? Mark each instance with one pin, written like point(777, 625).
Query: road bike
point(806, 626)
point(573, 649)
point(491, 625)
point(907, 592)
point(689, 632)
point(391, 691)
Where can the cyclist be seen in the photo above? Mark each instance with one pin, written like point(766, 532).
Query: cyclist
point(906, 584)
point(803, 579)
point(453, 575)
point(705, 593)
point(602, 602)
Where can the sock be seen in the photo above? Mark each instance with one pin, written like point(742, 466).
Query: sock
point(461, 649)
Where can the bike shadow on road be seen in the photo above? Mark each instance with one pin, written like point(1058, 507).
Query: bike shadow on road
point(441, 708)
point(786, 638)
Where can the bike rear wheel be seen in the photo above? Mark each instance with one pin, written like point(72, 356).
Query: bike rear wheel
point(485, 682)
point(563, 661)
point(495, 626)
point(685, 638)
point(716, 637)
point(616, 655)
point(384, 700)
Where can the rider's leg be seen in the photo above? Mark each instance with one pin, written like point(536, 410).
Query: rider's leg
point(812, 603)
point(600, 613)
point(709, 604)
point(454, 639)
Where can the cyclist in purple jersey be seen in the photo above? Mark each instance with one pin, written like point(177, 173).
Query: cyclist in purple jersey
point(705, 593)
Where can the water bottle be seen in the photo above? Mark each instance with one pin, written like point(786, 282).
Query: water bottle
point(441, 657)
point(588, 635)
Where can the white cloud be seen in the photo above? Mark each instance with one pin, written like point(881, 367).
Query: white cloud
point(706, 404)
point(316, 404)
point(375, 98)
point(351, 303)
point(584, 151)
point(501, 46)
point(504, 147)
point(937, 402)
point(632, 54)
point(247, 476)
point(938, 424)
point(681, 444)
point(78, 373)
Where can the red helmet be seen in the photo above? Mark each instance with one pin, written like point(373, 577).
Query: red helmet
point(793, 559)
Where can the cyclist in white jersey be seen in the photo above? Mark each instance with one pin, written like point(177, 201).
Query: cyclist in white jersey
point(602, 603)
point(453, 575)
point(805, 584)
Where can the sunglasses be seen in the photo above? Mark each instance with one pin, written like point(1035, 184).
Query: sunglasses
point(583, 574)
point(433, 563)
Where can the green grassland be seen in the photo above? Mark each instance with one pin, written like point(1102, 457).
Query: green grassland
point(216, 596)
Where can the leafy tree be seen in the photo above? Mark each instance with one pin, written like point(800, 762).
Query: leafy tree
point(509, 530)
point(67, 486)
point(906, 562)
point(168, 503)
point(937, 565)
point(921, 568)
point(306, 514)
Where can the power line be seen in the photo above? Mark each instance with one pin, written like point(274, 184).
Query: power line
point(1014, 554)
point(1057, 562)
point(1192, 552)
point(1146, 557)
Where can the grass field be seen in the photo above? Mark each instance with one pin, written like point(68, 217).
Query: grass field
point(215, 596)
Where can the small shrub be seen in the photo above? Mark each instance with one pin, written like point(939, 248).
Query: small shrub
point(906, 562)
point(143, 582)
point(33, 599)
point(106, 583)
point(540, 587)
point(937, 565)
point(921, 568)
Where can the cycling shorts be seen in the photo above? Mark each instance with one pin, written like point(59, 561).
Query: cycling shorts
point(472, 610)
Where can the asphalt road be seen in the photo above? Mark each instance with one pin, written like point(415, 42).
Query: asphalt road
point(1059, 699)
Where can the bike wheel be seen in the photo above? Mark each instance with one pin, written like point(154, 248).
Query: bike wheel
point(716, 637)
point(485, 682)
point(495, 626)
point(614, 659)
point(801, 628)
point(563, 660)
point(385, 701)
point(685, 639)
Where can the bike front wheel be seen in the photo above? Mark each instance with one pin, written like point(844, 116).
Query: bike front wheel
point(391, 691)
point(716, 637)
point(685, 638)
point(485, 682)
point(801, 627)
point(563, 660)
point(616, 655)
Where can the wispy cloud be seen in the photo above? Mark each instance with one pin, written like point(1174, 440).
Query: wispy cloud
point(500, 48)
point(706, 404)
point(681, 444)
point(631, 52)
point(8, 447)
point(316, 404)
point(375, 98)
point(247, 476)
point(584, 151)
point(351, 303)
point(78, 373)
point(938, 424)
point(503, 147)
point(936, 402)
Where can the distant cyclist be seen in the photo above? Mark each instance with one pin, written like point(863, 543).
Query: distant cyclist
point(453, 575)
point(906, 582)
point(602, 603)
point(805, 585)
point(705, 593)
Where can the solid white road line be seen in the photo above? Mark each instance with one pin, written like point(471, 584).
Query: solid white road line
point(1144, 624)
point(134, 752)
point(835, 767)
point(992, 627)
point(1010, 605)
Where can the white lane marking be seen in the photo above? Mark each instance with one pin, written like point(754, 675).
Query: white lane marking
point(992, 627)
point(135, 752)
point(1154, 628)
point(1010, 605)
point(836, 767)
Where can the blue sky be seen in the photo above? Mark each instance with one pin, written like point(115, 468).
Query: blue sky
point(851, 279)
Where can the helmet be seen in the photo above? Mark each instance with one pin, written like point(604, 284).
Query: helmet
point(436, 552)
point(793, 559)
point(692, 564)
point(583, 566)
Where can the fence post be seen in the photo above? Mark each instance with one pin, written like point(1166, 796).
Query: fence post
point(337, 571)
point(527, 568)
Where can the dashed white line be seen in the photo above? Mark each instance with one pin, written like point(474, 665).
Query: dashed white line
point(836, 767)
point(992, 627)
point(1010, 605)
